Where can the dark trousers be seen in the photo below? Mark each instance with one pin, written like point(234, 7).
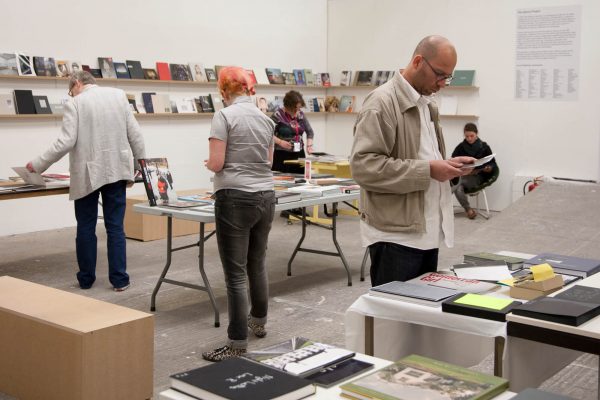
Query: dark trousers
point(243, 222)
point(394, 262)
point(86, 213)
point(279, 156)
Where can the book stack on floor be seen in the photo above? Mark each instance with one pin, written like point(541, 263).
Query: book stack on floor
point(237, 379)
point(416, 377)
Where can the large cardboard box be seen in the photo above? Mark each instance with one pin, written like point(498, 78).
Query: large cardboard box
point(151, 227)
point(59, 345)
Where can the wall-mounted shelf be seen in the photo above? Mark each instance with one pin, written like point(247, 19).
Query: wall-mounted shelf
point(458, 116)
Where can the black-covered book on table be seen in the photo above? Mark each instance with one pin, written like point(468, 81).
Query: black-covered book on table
point(479, 306)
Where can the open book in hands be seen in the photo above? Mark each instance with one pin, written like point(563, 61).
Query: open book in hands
point(479, 163)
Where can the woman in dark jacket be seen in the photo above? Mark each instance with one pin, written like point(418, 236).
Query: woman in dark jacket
point(472, 146)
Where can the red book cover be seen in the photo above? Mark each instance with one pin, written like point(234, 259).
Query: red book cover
point(164, 73)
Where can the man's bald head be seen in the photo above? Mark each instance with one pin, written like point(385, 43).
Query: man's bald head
point(433, 59)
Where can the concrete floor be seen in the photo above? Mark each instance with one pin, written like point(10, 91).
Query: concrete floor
point(312, 302)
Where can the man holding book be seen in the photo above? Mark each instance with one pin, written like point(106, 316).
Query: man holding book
point(103, 140)
point(398, 159)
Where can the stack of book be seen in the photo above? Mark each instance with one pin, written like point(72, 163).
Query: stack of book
point(570, 265)
point(427, 295)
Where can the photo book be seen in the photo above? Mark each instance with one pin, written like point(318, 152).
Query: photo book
point(8, 64)
point(158, 182)
point(417, 378)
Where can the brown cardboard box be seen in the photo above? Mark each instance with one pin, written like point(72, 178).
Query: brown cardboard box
point(530, 290)
point(151, 227)
point(59, 345)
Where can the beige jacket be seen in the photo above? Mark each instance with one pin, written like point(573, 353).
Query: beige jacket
point(102, 138)
point(384, 159)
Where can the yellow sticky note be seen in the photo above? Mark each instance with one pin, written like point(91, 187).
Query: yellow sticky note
point(494, 303)
point(542, 272)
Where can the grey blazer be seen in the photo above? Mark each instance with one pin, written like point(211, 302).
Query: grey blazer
point(102, 138)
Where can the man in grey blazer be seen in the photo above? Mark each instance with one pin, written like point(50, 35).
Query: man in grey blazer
point(104, 142)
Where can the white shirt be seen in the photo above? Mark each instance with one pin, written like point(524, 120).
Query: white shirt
point(439, 217)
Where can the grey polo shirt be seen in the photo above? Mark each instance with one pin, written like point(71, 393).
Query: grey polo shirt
point(248, 134)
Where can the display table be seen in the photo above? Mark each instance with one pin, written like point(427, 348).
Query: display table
point(531, 340)
point(204, 217)
point(394, 328)
point(25, 192)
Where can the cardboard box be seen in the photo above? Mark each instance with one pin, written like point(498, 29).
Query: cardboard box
point(553, 283)
point(63, 346)
point(151, 227)
point(519, 292)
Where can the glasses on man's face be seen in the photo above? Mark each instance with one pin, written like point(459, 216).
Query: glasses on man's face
point(440, 75)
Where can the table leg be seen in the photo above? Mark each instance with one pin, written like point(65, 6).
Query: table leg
point(369, 335)
point(289, 271)
point(499, 342)
point(167, 264)
point(203, 273)
point(335, 242)
point(363, 264)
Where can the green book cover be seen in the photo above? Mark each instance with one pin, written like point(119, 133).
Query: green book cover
point(416, 377)
point(463, 77)
point(493, 257)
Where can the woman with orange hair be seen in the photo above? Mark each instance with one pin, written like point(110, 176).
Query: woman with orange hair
point(240, 155)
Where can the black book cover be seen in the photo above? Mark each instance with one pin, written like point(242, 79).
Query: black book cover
point(240, 379)
point(39, 63)
point(337, 373)
point(121, 70)
point(558, 310)
point(24, 102)
point(135, 69)
point(180, 72)
point(96, 73)
point(147, 181)
point(584, 294)
point(451, 306)
point(42, 106)
point(206, 103)
point(147, 99)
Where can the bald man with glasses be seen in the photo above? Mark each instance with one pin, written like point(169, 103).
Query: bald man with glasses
point(399, 160)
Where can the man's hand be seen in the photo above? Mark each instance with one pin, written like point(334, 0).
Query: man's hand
point(463, 160)
point(443, 170)
point(29, 167)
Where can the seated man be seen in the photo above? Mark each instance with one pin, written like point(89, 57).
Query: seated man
point(480, 177)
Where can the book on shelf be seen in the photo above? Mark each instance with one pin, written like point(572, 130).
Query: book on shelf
point(289, 78)
point(364, 78)
point(147, 100)
point(75, 66)
point(448, 105)
point(463, 77)
point(334, 374)
point(412, 292)
point(25, 65)
point(567, 309)
point(180, 72)
point(186, 106)
point(347, 103)
point(453, 282)
point(300, 78)
point(150, 74)
point(96, 73)
point(7, 105)
point(158, 182)
point(198, 73)
point(206, 103)
point(332, 104)
point(121, 70)
point(274, 76)
point(514, 262)
point(325, 79)
point(62, 69)
point(416, 377)
point(24, 103)
point(479, 306)
point(132, 103)
point(321, 104)
point(161, 103)
point(275, 103)
point(241, 379)
point(309, 77)
point(8, 64)
point(42, 105)
point(318, 80)
point(381, 77)
point(538, 394)
point(135, 69)
point(217, 101)
point(44, 66)
point(107, 67)
point(299, 356)
point(218, 69)
point(283, 196)
point(163, 70)
point(210, 74)
point(571, 265)
point(346, 78)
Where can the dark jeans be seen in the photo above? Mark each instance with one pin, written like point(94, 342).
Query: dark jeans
point(467, 182)
point(86, 213)
point(394, 262)
point(243, 222)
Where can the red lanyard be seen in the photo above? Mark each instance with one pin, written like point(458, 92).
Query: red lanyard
point(294, 125)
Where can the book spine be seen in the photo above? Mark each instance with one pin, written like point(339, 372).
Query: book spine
point(147, 183)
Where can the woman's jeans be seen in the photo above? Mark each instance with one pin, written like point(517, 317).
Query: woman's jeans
point(243, 222)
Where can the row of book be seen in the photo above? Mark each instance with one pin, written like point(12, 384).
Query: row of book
point(25, 102)
point(293, 369)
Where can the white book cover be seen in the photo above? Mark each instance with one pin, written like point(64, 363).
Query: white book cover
point(186, 106)
point(25, 65)
point(198, 73)
point(449, 105)
point(161, 104)
point(7, 104)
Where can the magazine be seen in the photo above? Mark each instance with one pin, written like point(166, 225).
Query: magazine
point(158, 182)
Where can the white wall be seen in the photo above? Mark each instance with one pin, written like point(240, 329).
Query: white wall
point(253, 34)
point(530, 137)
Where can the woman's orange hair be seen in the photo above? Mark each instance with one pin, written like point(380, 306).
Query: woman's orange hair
point(235, 81)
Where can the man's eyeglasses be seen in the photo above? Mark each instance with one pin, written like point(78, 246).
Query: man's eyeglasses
point(440, 75)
